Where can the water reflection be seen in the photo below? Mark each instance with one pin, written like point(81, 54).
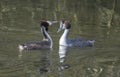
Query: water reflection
point(62, 56)
point(62, 53)
point(36, 63)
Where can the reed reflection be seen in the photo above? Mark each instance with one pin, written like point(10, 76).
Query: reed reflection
point(62, 56)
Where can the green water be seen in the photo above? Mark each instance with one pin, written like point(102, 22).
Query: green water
point(90, 19)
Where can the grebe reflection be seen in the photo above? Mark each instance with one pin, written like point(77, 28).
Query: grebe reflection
point(62, 53)
point(41, 61)
point(62, 56)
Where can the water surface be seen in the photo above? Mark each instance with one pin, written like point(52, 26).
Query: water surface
point(19, 23)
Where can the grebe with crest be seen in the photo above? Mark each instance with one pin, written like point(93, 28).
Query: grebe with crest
point(46, 43)
point(75, 42)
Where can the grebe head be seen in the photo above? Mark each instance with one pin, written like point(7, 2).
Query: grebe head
point(44, 23)
point(64, 25)
point(47, 23)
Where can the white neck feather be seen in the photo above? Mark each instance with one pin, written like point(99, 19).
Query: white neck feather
point(63, 39)
point(50, 39)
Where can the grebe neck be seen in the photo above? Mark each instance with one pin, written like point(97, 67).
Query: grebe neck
point(65, 34)
point(47, 36)
point(63, 39)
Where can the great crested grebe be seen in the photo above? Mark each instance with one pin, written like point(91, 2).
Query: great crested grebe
point(75, 42)
point(46, 43)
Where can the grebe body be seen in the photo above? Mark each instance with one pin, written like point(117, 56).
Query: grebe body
point(75, 42)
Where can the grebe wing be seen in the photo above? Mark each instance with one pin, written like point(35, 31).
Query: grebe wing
point(37, 45)
point(79, 42)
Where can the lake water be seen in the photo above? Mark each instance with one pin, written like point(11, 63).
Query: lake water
point(19, 23)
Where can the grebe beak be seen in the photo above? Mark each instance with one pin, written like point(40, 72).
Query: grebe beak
point(52, 22)
point(61, 27)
